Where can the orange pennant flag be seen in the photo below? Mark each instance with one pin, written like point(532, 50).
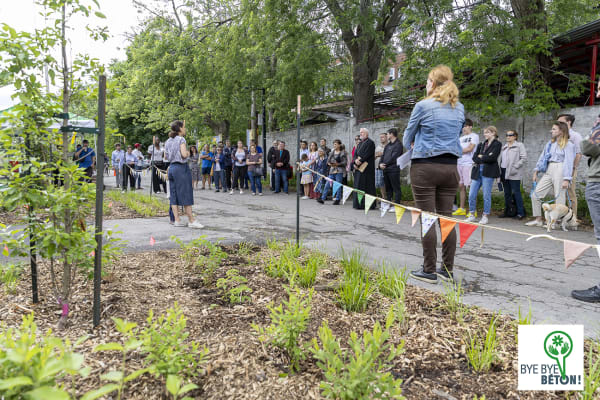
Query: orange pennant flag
point(573, 250)
point(399, 213)
point(466, 230)
point(446, 226)
point(415, 216)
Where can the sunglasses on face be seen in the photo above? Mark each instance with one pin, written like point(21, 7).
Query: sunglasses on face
point(510, 134)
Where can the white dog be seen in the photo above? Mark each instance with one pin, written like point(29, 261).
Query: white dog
point(556, 212)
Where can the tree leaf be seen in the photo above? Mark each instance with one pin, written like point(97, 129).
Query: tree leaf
point(47, 393)
point(114, 376)
point(109, 347)
point(100, 15)
point(173, 384)
point(11, 383)
point(96, 393)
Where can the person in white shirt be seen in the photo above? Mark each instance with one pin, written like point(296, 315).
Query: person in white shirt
point(139, 162)
point(156, 152)
point(468, 142)
point(575, 138)
point(117, 159)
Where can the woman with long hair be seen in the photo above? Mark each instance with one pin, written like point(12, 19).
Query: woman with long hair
point(239, 167)
point(180, 176)
point(556, 162)
point(337, 164)
point(194, 167)
point(255, 161)
point(313, 155)
point(433, 133)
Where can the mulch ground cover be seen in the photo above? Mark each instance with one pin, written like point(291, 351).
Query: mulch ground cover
point(239, 366)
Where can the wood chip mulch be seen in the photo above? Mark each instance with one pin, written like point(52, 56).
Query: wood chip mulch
point(239, 366)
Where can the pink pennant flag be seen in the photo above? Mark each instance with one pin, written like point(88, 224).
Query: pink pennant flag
point(5, 252)
point(152, 241)
point(92, 253)
point(415, 216)
point(573, 250)
point(110, 204)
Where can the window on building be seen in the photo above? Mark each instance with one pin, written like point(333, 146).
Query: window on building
point(392, 74)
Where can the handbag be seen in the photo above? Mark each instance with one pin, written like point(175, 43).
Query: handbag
point(544, 166)
point(258, 170)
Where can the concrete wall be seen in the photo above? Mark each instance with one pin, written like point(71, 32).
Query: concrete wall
point(533, 132)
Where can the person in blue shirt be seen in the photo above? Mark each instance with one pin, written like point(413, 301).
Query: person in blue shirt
point(207, 158)
point(259, 149)
point(86, 158)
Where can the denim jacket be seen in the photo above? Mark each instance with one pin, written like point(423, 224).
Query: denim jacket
point(435, 129)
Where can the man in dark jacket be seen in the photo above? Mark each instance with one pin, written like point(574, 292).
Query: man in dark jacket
point(391, 172)
point(270, 155)
point(281, 164)
point(365, 180)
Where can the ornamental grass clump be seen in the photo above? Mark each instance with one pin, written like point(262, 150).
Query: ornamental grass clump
point(591, 379)
point(362, 370)
point(356, 288)
point(480, 355)
point(288, 322)
point(452, 301)
point(391, 282)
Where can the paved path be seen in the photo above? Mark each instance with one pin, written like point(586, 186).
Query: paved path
point(503, 274)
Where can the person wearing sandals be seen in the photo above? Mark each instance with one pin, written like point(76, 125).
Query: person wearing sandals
point(513, 158)
point(556, 162)
point(180, 176)
point(485, 171)
point(239, 167)
point(255, 170)
point(433, 133)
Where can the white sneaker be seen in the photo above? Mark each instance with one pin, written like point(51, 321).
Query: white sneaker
point(470, 218)
point(484, 220)
point(260, 194)
point(196, 225)
point(231, 192)
point(253, 194)
point(241, 192)
point(180, 224)
point(535, 222)
point(304, 197)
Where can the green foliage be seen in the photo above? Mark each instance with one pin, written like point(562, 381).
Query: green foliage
point(360, 371)
point(244, 249)
point(276, 268)
point(9, 276)
point(452, 301)
point(288, 322)
point(273, 244)
point(165, 343)
point(391, 282)
point(480, 355)
point(400, 312)
point(356, 289)
point(525, 319)
point(141, 203)
point(31, 365)
point(193, 255)
point(591, 379)
point(234, 287)
point(175, 388)
point(306, 275)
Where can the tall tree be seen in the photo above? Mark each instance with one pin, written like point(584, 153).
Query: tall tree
point(367, 27)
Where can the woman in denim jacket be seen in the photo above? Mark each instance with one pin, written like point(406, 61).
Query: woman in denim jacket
point(433, 133)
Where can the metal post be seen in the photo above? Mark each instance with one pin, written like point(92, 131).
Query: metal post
point(99, 199)
point(32, 253)
point(264, 134)
point(297, 178)
point(593, 74)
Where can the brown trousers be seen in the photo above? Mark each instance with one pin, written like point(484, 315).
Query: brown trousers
point(434, 188)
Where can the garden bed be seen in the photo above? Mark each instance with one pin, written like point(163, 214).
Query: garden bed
point(238, 365)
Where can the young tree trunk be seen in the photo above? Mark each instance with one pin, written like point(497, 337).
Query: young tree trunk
point(65, 75)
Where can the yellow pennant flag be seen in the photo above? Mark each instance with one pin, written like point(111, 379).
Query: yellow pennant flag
point(73, 138)
point(399, 213)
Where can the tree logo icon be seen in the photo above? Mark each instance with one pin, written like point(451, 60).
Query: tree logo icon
point(558, 346)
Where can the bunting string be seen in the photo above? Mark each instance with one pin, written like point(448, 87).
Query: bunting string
point(466, 228)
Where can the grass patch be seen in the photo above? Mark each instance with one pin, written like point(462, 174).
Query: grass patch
point(481, 356)
point(391, 282)
point(356, 289)
point(143, 204)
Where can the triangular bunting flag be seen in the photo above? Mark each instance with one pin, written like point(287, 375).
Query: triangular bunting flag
point(152, 241)
point(466, 230)
point(446, 226)
point(336, 187)
point(427, 221)
point(5, 252)
point(368, 202)
point(110, 204)
point(573, 250)
point(399, 213)
point(92, 253)
point(359, 195)
point(346, 193)
point(384, 208)
point(415, 216)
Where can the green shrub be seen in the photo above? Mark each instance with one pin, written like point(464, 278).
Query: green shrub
point(392, 282)
point(481, 356)
point(288, 322)
point(234, 287)
point(164, 341)
point(9, 276)
point(30, 365)
point(276, 268)
point(360, 371)
point(175, 388)
point(244, 249)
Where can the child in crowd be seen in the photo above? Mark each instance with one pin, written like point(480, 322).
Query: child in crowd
point(306, 175)
point(322, 168)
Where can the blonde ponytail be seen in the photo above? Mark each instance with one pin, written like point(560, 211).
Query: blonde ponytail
point(445, 90)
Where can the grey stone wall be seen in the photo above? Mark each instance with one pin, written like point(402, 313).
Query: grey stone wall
point(533, 132)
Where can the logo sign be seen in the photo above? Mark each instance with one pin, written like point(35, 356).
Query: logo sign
point(550, 357)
